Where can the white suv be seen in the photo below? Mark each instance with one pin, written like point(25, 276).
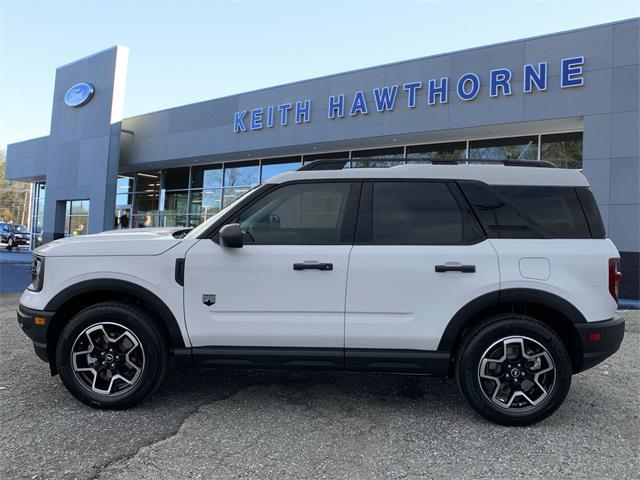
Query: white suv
point(498, 275)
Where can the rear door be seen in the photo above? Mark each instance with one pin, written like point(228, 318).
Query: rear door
point(419, 257)
point(286, 286)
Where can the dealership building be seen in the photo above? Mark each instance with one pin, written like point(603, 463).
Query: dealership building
point(571, 98)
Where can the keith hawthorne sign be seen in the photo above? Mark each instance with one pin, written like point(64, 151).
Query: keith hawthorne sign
point(433, 92)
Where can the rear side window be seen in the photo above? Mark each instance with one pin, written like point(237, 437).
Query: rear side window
point(528, 211)
point(592, 212)
point(418, 213)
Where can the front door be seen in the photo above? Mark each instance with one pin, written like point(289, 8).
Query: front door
point(286, 286)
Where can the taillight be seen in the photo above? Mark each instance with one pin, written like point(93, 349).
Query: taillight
point(614, 277)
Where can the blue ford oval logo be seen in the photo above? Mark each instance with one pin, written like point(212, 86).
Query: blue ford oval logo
point(79, 94)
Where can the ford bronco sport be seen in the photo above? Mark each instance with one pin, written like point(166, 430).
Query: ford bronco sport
point(499, 275)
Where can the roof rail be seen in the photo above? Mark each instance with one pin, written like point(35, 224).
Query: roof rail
point(340, 163)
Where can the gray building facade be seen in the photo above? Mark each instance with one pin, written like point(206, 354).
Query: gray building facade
point(571, 98)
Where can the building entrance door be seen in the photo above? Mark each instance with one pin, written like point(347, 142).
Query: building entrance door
point(122, 217)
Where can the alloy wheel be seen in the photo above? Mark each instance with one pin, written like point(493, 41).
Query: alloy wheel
point(516, 373)
point(107, 358)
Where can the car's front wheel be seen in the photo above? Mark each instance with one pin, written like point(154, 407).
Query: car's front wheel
point(111, 355)
point(514, 370)
point(10, 244)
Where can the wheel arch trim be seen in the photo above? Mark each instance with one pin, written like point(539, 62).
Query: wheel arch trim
point(122, 286)
point(523, 295)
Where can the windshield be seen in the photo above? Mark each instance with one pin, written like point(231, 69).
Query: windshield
point(19, 228)
point(200, 229)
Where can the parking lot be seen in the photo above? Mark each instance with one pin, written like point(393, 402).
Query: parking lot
point(244, 424)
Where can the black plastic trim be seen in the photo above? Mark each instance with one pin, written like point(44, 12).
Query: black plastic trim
point(459, 320)
point(121, 286)
point(179, 273)
point(422, 362)
point(36, 333)
point(611, 335)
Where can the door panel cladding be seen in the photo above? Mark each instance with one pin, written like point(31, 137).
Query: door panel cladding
point(535, 268)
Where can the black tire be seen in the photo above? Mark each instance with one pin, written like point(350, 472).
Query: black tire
point(10, 244)
point(150, 355)
point(491, 340)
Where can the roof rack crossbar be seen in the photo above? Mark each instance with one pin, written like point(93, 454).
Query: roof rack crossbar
point(340, 163)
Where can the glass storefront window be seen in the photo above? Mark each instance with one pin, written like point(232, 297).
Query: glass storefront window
point(76, 219)
point(206, 202)
point(512, 148)
point(209, 176)
point(140, 221)
point(384, 157)
point(325, 156)
point(124, 189)
point(273, 167)
point(176, 178)
point(176, 202)
point(147, 181)
point(240, 175)
point(563, 149)
point(453, 150)
point(230, 195)
point(174, 220)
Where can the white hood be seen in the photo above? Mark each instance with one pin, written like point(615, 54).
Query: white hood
point(141, 241)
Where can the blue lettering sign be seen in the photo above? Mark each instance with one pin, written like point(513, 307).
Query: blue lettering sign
point(303, 111)
point(270, 117)
point(336, 106)
point(411, 88)
point(385, 98)
point(537, 77)
point(500, 78)
point(571, 72)
point(238, 122)
point(359, 104)
point(256, 118)
point(463, 92)
point(284, 108)
point(440, 90)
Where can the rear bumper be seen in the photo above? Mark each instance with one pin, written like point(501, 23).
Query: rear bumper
point(595, 351)
point(35, 330)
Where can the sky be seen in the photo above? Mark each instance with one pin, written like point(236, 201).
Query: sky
point(186, 51)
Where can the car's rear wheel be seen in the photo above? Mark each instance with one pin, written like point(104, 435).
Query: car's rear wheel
point(111, 355)
point(514, 370)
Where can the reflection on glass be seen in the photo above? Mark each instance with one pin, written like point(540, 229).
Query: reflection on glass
point(174, 220)
point(441, 151)
point(76, 217)
point(206, 202)
point(209, 176)
point(377, 158)
point(272, 169)
point(563, 149)
point(230, 195)
point(141, 221)
point(513, 148)
point(245, 175)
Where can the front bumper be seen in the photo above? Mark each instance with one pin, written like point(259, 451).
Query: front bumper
point(600, 340)
point(34, 323)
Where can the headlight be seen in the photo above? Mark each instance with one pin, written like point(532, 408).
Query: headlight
point(37, 274)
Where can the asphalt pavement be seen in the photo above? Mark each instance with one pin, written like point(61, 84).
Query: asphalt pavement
point(247, 424)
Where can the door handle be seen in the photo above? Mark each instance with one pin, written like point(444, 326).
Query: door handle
point(456, 268)
point(313, 266)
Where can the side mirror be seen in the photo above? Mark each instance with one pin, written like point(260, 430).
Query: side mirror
point(231, 236)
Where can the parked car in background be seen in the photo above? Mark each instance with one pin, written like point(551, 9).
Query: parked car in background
point(13, 235)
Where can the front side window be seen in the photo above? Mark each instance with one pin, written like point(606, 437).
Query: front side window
point(418, 213)
point(300, 214)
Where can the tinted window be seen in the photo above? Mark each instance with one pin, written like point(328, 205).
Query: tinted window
point(528, 211)
point(420, 213)
point(301, 214)
point(592, 212)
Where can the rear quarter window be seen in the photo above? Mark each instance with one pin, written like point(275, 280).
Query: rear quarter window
point(528, 211)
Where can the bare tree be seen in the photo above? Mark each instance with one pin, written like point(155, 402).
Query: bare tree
point(14, 197)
